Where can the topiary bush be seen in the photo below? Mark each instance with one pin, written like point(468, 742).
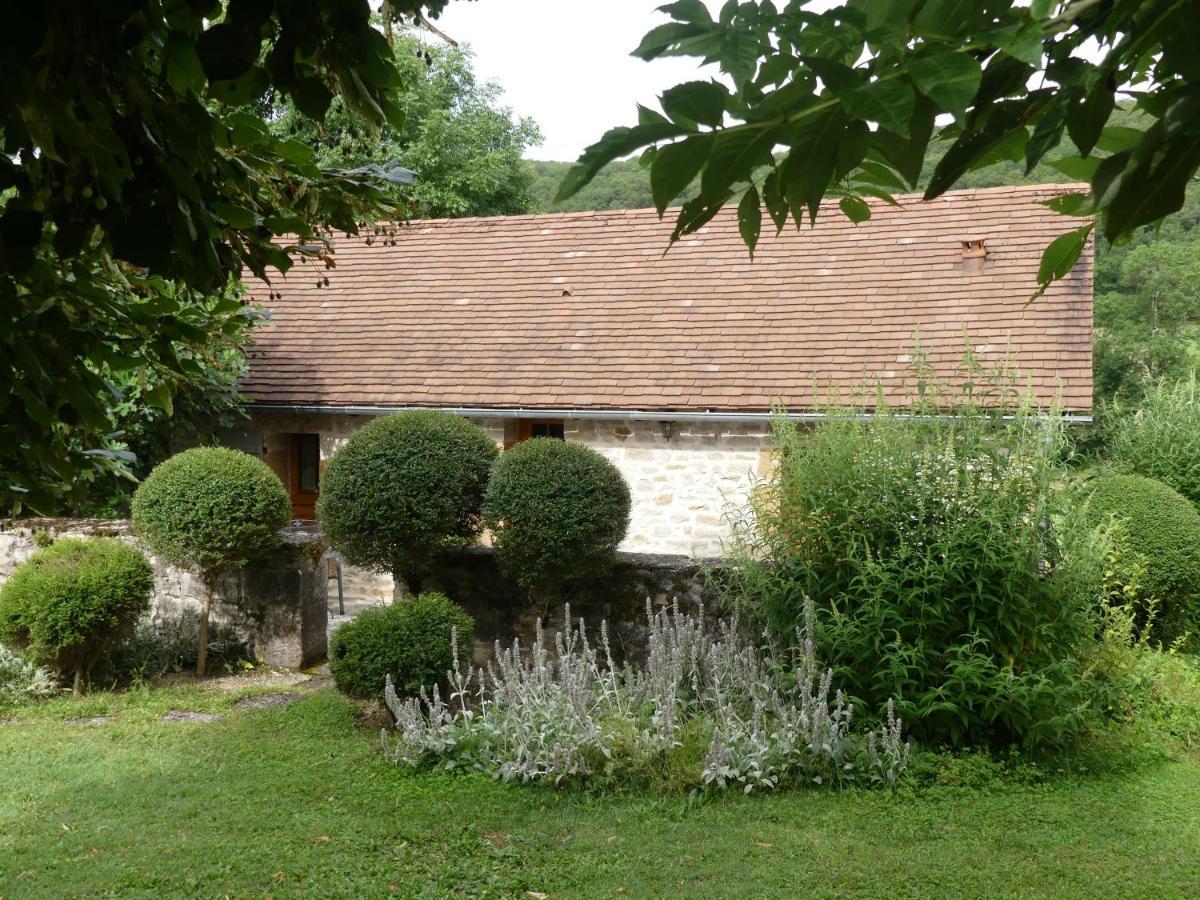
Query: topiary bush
point(403, 488)
point(213, 510)
point(557, 512)
point(1160, 437)
point(1162, 527)
point(69, 604)
point(409, 640)
point(926, 548)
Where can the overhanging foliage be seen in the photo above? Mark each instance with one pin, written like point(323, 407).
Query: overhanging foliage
point(852, 96)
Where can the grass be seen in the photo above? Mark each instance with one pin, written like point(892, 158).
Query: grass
point(297, 801)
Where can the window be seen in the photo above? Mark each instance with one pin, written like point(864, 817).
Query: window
point(546, 429)
point(308, 462)
point(532, 428)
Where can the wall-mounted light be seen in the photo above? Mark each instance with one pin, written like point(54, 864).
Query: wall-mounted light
point(668, 428)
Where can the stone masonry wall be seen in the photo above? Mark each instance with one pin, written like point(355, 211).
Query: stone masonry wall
point(280, 603)
point(682, 485)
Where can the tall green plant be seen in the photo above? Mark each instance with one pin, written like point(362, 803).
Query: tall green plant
point(1160, 437)
point(925, 543)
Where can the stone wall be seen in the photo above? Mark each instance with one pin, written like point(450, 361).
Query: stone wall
point(502, 611)
point(683, 485)
point(683, 476)
point(278, 605)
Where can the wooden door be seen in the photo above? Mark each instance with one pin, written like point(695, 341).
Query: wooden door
point(305, 469)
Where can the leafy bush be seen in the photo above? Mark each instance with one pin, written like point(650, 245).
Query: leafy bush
point(408, 642)
point(214, 510)
point(1162, 528)
point(708, 708)
point(403, 488)
point(926, 546)
point(557, 512)
point(165, 648)
point(69, 604)
point(22, 680)
point(1160, 437)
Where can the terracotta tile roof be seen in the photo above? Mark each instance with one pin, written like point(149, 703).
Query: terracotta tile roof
point(583, 310)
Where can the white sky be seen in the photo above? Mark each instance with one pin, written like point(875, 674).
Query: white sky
point(566, 63)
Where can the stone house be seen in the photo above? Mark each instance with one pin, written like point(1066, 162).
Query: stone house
point(579, 326)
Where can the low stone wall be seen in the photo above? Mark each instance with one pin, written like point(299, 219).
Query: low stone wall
point(278, 605)
point(502, 611)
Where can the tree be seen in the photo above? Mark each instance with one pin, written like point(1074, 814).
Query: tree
point(402, 489)
point(557, 512)
point(138, 174)
point(1146, 325)
point(854, 95)
point(464, 147)
point(214, 510)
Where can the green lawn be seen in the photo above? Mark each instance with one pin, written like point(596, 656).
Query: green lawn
point(297, 801)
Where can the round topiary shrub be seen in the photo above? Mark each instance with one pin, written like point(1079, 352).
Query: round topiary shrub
point(409, 640)
point(403, 488)
point(69, 604)
point(557, 512)
point(213, 510)
point(1162, 527)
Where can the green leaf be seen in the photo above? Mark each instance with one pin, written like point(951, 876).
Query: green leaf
point(949, 79)
point(1060, 257)
point(160, 396)
point(184, 71)
point(1073, 204)
point(1087, 116)
point(735, 156)
point(615, 143)
point(907, 155)
point(236, 216)
point(774, 200)
point(670, 38)
point(1010, 148)
point(1145, 196)
point(1076, 167)
point(945, 18)
point(971, 147)
point(887, 103)
point(750, 218)
point(696, 102)
point(697, 213)
point(856, 209)
point(675, 166)
point(808, 169)
point(1115, 138)
point(693, 11)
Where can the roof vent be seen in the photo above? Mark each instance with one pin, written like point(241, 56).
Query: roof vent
point(974, 253)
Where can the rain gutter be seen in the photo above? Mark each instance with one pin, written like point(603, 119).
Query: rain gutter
point(600, 415)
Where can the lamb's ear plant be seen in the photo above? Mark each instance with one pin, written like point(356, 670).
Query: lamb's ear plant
point(213, 510)
point(708, 705)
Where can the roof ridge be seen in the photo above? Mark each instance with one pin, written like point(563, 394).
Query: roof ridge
point(640, 211)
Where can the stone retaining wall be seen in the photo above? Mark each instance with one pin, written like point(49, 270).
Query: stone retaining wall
point(280, 606)
point(502, 611)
